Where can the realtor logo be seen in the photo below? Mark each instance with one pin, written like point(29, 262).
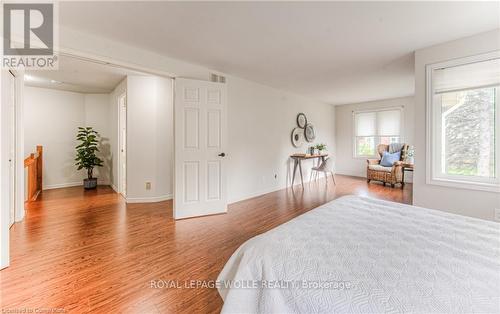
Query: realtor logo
point(28, 30)
point(31, 22)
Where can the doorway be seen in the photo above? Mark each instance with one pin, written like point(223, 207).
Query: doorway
point(122, 133)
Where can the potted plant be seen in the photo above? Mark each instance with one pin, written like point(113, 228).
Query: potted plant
point(320, 147)
point(85, 154)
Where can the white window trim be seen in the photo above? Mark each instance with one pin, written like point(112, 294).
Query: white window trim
point(431, 173)
point(354, 128)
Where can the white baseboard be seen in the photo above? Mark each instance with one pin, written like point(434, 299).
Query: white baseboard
point(114, 188)
point(267, 191)
point(153, 199)
point(196, 213)
point(62, 185)
point(67, 185)
point(256, 194)
point(352, 174)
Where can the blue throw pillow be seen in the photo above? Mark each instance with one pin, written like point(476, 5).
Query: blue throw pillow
point(389, 159)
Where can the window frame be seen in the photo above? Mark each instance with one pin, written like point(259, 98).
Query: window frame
point(376, 136)
point(433, 130)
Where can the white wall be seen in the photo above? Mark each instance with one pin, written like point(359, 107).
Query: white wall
point(149, 138)
point(260, 122)
point(346, 163)
point(51, 119)
point(97, 115)
point(260, 118)
point(164, 138)
point(467, 202)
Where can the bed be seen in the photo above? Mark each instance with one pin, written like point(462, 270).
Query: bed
point(361, 255)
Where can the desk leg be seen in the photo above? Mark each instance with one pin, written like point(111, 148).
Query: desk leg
point(301, 177)
point(294, 170)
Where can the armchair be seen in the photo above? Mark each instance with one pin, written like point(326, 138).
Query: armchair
point(390, 175)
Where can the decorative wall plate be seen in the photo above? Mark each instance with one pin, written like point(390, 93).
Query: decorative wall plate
point(297, 137)
point(309, 132)
point(301, 120)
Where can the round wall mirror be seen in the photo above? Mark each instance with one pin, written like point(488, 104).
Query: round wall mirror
point(309, 132)
point(301, 120)
point(297, 137)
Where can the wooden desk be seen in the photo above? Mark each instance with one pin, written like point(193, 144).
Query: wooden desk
point(297, 159)
point(406, 167)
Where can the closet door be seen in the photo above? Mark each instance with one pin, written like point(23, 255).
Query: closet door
point(200, 148)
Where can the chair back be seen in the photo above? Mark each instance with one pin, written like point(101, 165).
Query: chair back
point(327, 165)
point(381, 148)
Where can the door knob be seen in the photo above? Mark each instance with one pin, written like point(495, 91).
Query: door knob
point(222, 154)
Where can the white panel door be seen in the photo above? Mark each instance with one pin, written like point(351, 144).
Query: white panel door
point(200, 148)
point(122, 104)
point(12, 155)
point(7, 148)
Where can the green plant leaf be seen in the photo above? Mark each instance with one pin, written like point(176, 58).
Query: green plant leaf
point(86, 149)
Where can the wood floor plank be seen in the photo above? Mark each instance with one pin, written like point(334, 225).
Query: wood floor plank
point(89, 251)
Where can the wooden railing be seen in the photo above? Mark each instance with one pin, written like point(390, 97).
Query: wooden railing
point(34, 164)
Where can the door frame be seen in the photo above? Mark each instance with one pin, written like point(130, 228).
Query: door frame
point(19, 144)
point(122, 178)
point(20, 196)
point(109, 61)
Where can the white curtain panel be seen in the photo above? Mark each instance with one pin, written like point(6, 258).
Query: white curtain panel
point(472, 75)
point(389, 122)
point(366, 123)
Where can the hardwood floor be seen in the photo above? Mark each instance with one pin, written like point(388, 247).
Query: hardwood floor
point(88, 251)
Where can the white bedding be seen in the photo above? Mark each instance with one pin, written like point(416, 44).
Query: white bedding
point(390, 257)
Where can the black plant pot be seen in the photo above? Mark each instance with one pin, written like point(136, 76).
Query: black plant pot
point(90, 184)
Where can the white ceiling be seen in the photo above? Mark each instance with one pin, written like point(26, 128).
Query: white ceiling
point(336, 52)
point(76, 75)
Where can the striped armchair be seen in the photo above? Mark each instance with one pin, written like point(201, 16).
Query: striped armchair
point(390, 175)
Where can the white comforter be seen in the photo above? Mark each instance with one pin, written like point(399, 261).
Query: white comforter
point(372, 256)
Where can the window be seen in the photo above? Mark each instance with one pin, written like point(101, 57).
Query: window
point(375, 127)
point(463, 116)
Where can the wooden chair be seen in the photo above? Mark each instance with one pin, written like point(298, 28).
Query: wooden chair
point(391, 175)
